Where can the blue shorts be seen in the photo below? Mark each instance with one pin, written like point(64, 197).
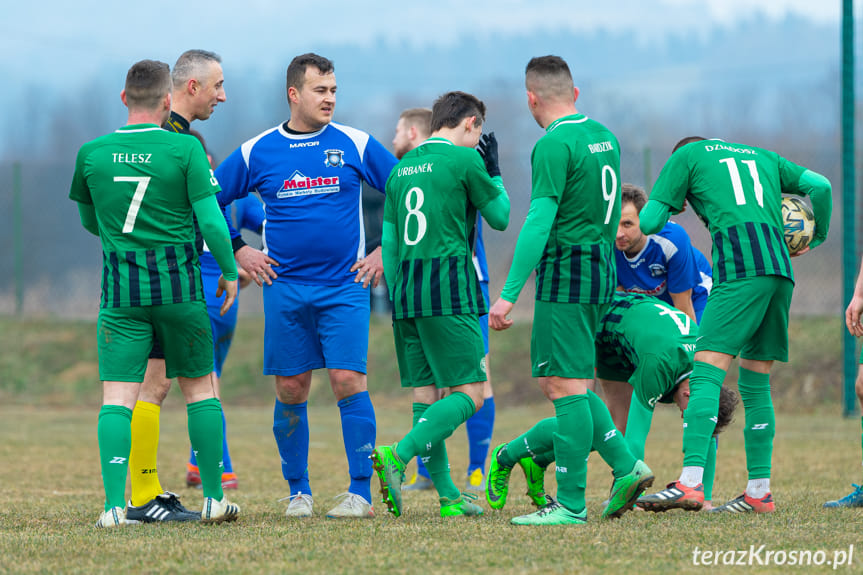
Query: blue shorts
point(311, 326)
point(223, 325)
point(483, 319)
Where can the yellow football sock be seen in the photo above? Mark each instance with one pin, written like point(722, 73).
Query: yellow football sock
point(142, 458)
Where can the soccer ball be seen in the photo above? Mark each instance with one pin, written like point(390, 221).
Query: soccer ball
point(799, 223)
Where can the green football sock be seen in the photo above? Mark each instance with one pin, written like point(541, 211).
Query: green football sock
point(607, 440)
point(438, 422)
point(571, 448)
point(436, 461)
point(760, 425)
point(538, 441)
point(861, 434)
point(637, 427)
point(205, 433)
point(114, 431)
point(710, 469)
point(699, 417)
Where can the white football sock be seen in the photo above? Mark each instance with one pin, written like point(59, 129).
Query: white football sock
point(692, 476)
point(758, 488)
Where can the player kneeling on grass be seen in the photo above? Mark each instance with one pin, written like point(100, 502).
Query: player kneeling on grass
point(737, 191)
point(644, 344)
point(433, 195)
point(137, 189)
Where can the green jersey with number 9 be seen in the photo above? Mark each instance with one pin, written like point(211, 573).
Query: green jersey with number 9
point(433, 195)
point(142, 182)
point(577, 162)
point(737, 191)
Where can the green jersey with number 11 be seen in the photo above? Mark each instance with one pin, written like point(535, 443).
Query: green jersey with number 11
point(577, 163)
point(142, 182)
point(433, 196)
point(737, 191)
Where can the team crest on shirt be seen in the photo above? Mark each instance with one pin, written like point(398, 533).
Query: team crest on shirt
point(334, 158)
point(657, 270)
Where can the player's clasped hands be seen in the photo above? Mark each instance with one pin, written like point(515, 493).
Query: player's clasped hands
point(497, 319)
point(258, 264)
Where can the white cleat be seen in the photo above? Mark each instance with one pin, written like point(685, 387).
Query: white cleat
point(300, 505)
point(351, 506)
point(114, 517)
point(215, 511)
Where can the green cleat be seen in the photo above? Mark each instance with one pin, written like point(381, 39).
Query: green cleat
point(552, 514)
point(497, 481)
point(626, 490)
point(534, 475)
point(460, 506)
point(391, 473)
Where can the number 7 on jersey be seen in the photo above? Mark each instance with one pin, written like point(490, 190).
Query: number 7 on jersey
point(137, 198)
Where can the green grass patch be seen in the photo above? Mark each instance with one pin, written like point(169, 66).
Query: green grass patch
point(52, 496)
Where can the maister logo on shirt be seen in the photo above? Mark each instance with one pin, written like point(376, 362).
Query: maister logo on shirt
point(300, 185)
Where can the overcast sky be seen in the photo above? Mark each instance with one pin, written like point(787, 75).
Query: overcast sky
point(57, 39)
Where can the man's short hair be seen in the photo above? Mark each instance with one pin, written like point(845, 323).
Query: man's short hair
point(632, 194)
point(296, 74)
point(687, 140)
point(549, 77)
point(418, 117)
point(453, 107)
point(147, 83)
point(191, 63)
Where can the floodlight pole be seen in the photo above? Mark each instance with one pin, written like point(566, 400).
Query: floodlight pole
point(849, 236)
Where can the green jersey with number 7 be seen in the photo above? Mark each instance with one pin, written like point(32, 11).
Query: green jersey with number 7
point(577, 162)
point(142, 181)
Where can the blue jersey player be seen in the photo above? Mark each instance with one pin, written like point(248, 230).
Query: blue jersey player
point(664, 265)
point(309, 173)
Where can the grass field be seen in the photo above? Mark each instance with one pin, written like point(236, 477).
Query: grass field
point(53, 494)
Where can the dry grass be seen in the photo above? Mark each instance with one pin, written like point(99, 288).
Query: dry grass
point(52, 496)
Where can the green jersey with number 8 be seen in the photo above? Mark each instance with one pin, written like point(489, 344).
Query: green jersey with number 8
point(737, 191)
point(577, 162)
point(142, 182)
point(433, 196)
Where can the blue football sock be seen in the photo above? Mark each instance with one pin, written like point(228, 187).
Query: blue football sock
point(226, 455)
point(291, 430)
point(479, 431)
point(359, 431)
